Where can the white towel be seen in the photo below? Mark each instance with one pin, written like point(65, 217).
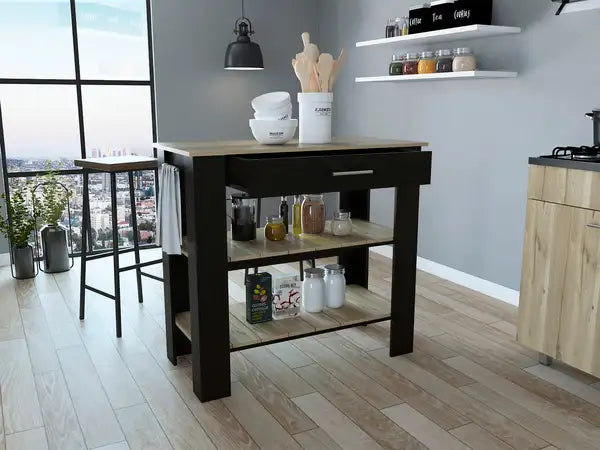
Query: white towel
point(168, 223)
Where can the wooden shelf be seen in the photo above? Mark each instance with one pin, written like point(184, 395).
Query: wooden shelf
point(478, 74)
point(447, 35)
point(364, 234)
point(587, 5)
point(362, 307)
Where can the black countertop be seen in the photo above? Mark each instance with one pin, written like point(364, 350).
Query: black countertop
point(565, 163)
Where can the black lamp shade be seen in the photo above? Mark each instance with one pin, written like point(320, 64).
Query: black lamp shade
point(243, 54)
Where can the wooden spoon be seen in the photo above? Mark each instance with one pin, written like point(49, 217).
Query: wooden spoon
point(325, 66)
point(303, 70)
point(311, 51)
point(314, 85)
point(337, 65)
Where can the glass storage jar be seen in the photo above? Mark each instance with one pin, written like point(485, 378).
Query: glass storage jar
point(313, 290)
point(426, 63)
point(275, 229)
point(313, 214)
point(335, 286)
point(411, 64)
point(443, 61)
point(464, 60)
point(396, 65)
point(341, 224)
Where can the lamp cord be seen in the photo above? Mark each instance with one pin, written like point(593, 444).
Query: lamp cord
point(243, 15)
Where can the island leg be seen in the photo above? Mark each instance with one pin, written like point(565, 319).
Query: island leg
point(207, 272)
point(356, 262)
point(404, 270)
point(175, 279)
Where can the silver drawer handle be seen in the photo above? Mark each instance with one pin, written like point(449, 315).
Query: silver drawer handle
point(594, 225)
point(353, 172)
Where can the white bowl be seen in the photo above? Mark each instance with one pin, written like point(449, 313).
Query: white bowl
point(272, 100)
point(273, 132)
point(283, 113)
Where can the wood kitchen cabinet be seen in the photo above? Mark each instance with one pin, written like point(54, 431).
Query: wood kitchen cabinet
point(560, 282)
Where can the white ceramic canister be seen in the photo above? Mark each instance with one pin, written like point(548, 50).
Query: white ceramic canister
point(335, 286)
point(315, 110)
point(313, 290)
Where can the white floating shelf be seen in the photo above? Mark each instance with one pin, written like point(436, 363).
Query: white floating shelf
point(438, 76)
point(587, 5)
point(450, 34)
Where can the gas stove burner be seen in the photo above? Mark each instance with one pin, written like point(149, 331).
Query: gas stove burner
point(583, 153)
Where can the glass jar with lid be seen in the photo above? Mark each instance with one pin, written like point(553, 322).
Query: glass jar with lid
point(335, 286)
point(313, 290)
point(275, 229)
point(313, 214)
point(341, 224)
point(396, 65)
point(464, 60)
point(443, 61)
point(411, 64)
point(426, 63)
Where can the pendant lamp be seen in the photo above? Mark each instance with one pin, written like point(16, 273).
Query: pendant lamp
point(243, 54)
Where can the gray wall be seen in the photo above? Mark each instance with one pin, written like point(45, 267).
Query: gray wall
point(481, 131)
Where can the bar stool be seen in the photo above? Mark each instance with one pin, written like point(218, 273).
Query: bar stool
point(112, 166)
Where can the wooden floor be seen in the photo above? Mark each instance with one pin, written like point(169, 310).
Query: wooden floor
point(67, 384)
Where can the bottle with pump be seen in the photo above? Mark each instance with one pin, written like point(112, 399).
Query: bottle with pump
point(297, 216)
point(283, 213)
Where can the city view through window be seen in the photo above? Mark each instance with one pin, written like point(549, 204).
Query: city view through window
point(58, 106)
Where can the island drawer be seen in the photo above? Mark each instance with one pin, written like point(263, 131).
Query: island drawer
point(273, 175)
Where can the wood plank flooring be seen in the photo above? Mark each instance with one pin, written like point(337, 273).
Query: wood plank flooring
point(66, 384)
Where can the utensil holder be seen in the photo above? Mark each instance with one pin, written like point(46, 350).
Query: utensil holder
point(315, 112)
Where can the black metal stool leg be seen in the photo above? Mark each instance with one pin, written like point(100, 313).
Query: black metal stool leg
point(85, 225)
point(115, 237)
point(136, 243)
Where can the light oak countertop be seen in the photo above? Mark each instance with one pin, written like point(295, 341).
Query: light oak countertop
point(249, 147)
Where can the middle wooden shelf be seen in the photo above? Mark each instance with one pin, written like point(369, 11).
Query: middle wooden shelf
point(306, 246)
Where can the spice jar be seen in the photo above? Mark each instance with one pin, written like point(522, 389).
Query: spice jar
point(275, 229)
point(443, 61)
point(313, 214)
point(464, 60)
point(335, 286)
point(396, 65)
point(411, 64)
point(341, 224)
point(426, 63)
point(313, 290)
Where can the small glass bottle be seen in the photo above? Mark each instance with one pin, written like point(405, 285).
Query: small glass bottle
point(390, 28)
point(396, 66)
point(313, 290)
point(464, 60)
point(341, 225)
point(335, 286)
point(284, 213)
point(398, 26)
point(404, 26)
point(274, 229)
point(426, 63)
point(313, 214)
point(411, 64)
point(297, 216)
point(443, 61)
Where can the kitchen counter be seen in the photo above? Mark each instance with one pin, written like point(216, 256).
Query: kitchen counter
point(198, 315)
point(565, 163)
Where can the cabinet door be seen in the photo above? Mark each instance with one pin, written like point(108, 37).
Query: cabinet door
point(579, 337)
point(543, 275)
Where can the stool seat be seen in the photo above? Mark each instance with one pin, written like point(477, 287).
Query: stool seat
point(118, 163)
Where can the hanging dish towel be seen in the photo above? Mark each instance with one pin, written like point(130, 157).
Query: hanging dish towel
point(168, 223)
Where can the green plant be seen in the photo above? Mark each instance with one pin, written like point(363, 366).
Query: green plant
point(54, 198)
point(21, 223)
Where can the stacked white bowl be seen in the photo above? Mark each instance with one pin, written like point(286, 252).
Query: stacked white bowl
point(272, 123)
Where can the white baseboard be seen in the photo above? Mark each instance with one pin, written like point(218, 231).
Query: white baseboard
point(456, 276)
point(4, 259)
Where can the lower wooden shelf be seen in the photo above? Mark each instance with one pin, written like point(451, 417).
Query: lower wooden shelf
point(362, 307)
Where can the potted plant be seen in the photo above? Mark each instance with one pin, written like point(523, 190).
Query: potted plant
point(49, 208)
point(17, 230)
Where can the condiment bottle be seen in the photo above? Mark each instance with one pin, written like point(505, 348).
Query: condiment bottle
point(284, 212)
point(313, 290)
point(396, 66)
point(313, 214)
point(335, 286)
point(398, 26)
point(404, 26)
point(390, 28)
point(426, 63)
point(411, 64)
point(464, 60)
point(443, 61)
point(274, 229)
point(297, 216)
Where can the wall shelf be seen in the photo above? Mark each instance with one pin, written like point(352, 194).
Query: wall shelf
point(587, 5)
point(438, 76)
point(453, 34)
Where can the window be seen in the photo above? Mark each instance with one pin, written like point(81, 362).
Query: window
point(76, 81)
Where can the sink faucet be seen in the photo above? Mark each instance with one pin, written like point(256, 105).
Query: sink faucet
point(595, 116)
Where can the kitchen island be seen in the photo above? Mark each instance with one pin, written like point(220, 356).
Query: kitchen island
point(199, 319)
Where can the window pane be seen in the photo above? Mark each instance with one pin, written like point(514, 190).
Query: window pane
point(113, 40)
point(117, 120)
point(40, 124)
point(36, 39)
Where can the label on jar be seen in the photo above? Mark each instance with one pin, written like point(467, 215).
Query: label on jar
point(415, 21)
point(322, 111)
point(436, 17)
point(462, 13)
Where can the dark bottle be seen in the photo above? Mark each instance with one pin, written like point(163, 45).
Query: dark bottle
point(283, 212)
point(390, 28)
point(396, 66)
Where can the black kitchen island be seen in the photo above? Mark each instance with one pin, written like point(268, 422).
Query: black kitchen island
point(199, 318)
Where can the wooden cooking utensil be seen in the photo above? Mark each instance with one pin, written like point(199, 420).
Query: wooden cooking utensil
point(314, 85)
point(325, 66)
point(311, 51)
point(337, 65)
point(303, 70)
